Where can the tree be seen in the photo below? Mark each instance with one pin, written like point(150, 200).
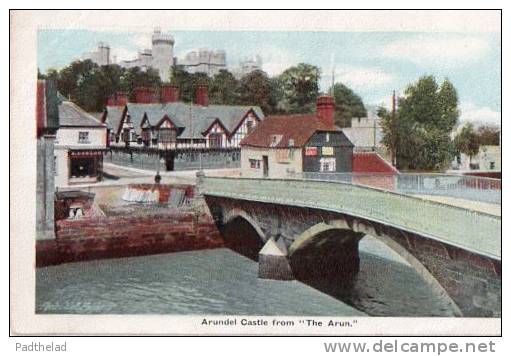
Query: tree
point(347, 105)
point(135, 77)
point(300, 86)
point(467, 142)
point(255, 89)
point(187, 82)
point(488, 135)
point(223, 89)
point(418, 134)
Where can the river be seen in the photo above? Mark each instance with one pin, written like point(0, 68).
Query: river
point(221, 281)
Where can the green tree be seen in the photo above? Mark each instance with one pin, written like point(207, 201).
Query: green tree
point(418, 134)
point(347, 105)
point(300, 88)
point(224, 89)
point(488, 135)
point(255, 89)
point(187, 82)
point(467, 141)
point(71, 77)
point(135, 77)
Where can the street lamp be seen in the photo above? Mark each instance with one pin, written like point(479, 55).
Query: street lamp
point(157, 177)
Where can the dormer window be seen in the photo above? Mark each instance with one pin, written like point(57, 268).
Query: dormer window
point(274, 140)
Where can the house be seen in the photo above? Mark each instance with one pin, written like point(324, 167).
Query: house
point(79, 146)
point(365, 132)
point(47, 124)
point(488, 159)
point(281, 145)
point(166, 123)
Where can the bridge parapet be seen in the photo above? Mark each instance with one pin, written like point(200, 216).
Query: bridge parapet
point(469, 230)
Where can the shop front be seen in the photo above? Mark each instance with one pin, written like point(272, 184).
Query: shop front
point(85, 166)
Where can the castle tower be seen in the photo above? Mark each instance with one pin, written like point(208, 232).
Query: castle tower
point(162, 53)
point(103, 58)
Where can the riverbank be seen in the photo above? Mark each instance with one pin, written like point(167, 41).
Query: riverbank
point(100, 223)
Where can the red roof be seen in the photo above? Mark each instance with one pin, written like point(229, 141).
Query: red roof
point(298, 128)
point(371, 162)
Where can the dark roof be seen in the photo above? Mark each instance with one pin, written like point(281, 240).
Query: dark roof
point(371, 162)
point(71, 114)
point(298, 128)
point(113, 117)
point(179, 113)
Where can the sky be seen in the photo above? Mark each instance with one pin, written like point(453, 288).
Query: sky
point(372, 63)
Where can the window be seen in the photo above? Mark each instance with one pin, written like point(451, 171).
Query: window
point(492, 165)
point(126, 135)
point(250, 126)
point(215, 140)
point(167, 135)
point(327, 165)
point(255, 163)
point(83, 137)
point(146, 136)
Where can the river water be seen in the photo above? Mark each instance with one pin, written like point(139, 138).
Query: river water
point(221, 281)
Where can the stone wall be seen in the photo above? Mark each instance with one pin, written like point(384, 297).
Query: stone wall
point(186, 159)
point(122, 236)
point(472, 282)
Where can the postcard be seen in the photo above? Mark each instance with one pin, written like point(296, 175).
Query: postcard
point(256, 172)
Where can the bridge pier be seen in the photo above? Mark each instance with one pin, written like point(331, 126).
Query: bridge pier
point(273, 261)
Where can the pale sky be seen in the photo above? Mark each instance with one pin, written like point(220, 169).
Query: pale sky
point(371, 63)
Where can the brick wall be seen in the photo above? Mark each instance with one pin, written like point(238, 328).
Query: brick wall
point(122, 236)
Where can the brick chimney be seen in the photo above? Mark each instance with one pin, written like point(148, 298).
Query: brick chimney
point(201, 95)
point(111, 101)
point(325, 110)
point(169, 93)
point(122, 98)
point(144, 95)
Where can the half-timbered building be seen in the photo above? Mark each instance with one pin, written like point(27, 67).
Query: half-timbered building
point(150, 130)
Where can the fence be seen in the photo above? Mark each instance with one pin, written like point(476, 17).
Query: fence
point(482, 189)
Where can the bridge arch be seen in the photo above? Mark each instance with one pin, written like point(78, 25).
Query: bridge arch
point(242, 233)
point(349, 233)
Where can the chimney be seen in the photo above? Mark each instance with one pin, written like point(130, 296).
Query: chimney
point(325, 109)
point(111, 101)
point(201, 95)
point(122, 98)
point(169, 93)
point(144, 95)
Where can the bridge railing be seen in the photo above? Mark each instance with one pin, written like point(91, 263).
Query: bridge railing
point(482, 189)
point(475, 231)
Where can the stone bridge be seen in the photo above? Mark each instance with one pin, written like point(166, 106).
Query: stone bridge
point(311, 230)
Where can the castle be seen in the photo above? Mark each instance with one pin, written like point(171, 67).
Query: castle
point(161, 57)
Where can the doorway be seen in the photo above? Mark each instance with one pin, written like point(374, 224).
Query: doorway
point(265, 166)
point(169, 162)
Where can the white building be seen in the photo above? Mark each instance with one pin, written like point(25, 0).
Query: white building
point(487, 159)
point(101, 56)
point(159, 57)
point(204, 61)
point(248, 65)
point(366, 132)
point(79, 146)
